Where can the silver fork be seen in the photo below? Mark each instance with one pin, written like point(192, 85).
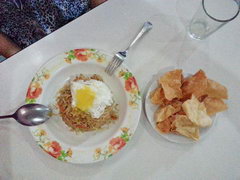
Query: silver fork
point(122, 55)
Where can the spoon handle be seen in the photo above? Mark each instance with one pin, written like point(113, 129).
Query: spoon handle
point(7, 116)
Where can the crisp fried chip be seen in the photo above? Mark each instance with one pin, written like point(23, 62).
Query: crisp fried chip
point(166, 102)
point(177, 105)
point(181, 112)
point(171, 83)
point(214, 105)
point(166, 125)
point(196, 112)
point(196, 84)
point(185, 127)
point(157, 96)
point(201, 98)
point(216, 90)
point(163, 113)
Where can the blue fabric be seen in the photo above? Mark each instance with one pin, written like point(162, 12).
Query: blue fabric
point(26, 21)
point(2, 59)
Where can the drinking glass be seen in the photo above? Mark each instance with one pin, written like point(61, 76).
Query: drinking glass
point(212, 15)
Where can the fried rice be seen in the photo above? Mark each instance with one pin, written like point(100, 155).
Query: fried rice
point(79, 120)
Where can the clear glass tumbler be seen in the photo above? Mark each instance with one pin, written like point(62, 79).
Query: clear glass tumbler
point(211, 15)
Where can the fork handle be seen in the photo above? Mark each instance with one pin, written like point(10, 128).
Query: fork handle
point(147, 26)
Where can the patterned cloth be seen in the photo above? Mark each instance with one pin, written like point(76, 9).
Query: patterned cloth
point(27, 21)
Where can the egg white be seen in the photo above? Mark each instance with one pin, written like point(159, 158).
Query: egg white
point(103, 98)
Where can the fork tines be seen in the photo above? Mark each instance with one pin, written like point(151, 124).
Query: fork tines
point(113, 65)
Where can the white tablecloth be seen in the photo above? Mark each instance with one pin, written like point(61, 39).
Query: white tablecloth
point(147, 156)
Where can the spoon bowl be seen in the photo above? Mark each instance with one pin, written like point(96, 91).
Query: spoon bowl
point(31, 114)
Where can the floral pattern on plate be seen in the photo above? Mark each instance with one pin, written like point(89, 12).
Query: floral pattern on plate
point(53, 148)
point(115, 144)
point(131, 87)
point(35, 87)
point(84, 55)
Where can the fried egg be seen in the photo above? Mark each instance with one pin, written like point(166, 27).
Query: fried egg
point(91, 96)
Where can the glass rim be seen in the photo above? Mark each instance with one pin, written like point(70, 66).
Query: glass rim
point(221, 20)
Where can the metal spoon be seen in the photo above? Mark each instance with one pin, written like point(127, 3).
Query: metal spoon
point(30, 114)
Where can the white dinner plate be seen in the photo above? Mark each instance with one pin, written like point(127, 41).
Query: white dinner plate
point(54, 137)
point(151, 108)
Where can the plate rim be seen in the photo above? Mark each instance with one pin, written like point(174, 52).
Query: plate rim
point(134, 125)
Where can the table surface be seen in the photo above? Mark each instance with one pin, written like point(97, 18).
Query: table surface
point(110, 27)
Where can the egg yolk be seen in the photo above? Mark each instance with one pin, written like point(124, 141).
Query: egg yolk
point(84, 98)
